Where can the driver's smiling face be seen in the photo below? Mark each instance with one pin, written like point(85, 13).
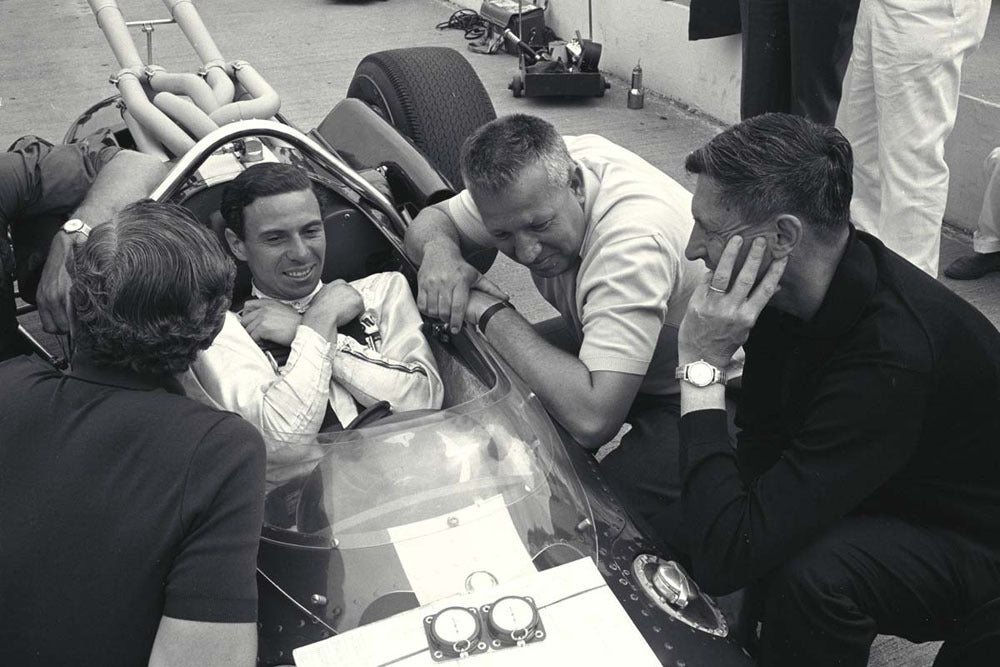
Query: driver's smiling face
point(283, 244)
point(536, 224)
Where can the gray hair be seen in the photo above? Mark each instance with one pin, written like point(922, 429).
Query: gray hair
point(150, 289)
point(494, 156)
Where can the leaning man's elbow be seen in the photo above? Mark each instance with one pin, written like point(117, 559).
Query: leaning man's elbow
point(593, 434)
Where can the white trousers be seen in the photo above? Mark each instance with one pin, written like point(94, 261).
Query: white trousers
point(898, 107)
point(987, 237)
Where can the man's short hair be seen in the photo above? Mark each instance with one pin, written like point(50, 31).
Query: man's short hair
point(494, 156)
point(150, 289)
point(261, 180)
point(778, 163)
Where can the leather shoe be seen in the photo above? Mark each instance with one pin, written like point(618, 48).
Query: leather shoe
point(973, 266)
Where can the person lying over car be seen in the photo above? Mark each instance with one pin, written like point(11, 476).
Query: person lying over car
point(285, 362)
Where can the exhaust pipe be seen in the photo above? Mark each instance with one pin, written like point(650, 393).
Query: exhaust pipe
point(192, 85)
point(190, 23)
point(112, 24)
point(157, 123)
point(143, 141)
point(265, 102)
point(185, 114)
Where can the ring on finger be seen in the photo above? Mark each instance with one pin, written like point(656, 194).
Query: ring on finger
point(717, 290)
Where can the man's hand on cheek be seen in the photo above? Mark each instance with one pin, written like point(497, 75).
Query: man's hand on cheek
point(717, 321)
point(266, 319)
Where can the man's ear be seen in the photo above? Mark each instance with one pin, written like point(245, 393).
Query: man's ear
point(236, 245)
point(576, 183)
point(786, 235)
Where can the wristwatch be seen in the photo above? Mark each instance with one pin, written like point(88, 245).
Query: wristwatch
point(700, 373)
point(76, 226)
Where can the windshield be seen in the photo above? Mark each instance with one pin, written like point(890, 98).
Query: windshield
point(441, 503)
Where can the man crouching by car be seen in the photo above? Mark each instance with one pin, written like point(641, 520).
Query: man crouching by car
point(864, 494)
point(130, 513)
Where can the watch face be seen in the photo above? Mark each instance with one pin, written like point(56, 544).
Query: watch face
point(73, 226)
point(700, 374)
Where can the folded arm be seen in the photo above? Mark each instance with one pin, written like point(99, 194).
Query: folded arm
point(402, 371)
point(236, 374)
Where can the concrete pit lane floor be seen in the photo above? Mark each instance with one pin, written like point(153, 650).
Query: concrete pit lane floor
point(55, 63)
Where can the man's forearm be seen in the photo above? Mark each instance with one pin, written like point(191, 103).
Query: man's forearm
point(433, 225)
point(563, 383)
point(129, 176)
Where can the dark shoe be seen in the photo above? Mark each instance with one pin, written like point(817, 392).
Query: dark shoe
point(973, 266)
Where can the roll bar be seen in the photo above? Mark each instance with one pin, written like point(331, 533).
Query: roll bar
point(192, 159)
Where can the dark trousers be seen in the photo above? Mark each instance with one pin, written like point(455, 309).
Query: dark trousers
point(879, 575)
point(644, 470)
point(795, 53)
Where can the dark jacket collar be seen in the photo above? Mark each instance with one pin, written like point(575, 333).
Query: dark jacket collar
point(850, 291)
point(83, 368)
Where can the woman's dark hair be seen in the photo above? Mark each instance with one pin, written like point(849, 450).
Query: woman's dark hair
point(150, 289)
point(779, 163)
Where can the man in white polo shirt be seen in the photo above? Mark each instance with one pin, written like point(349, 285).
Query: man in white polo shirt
point(603, 233)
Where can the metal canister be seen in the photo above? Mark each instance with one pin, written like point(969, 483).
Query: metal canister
point(636, 93)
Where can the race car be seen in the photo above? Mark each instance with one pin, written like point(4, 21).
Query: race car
point(406, 510)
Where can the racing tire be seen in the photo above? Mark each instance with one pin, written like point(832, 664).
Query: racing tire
point(431, 95)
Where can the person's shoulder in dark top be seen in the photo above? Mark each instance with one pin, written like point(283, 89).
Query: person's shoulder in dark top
point(125, 497)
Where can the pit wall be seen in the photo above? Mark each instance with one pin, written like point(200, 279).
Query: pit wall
point(706, 75)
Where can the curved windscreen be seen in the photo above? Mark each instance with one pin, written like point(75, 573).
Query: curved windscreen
point(416, 508)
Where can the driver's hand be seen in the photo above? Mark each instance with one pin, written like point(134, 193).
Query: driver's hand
point(53, 288)
point(266, 319)
point(335, 305)
point(444, 281)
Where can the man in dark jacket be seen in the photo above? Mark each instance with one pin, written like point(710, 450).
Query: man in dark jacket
point(864, 494)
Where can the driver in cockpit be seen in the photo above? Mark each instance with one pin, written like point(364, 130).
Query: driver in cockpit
point(303, 356)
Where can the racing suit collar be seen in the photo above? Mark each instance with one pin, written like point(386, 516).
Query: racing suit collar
point(300, 305)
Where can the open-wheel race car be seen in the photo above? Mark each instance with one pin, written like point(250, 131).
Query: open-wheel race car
point(412, 508)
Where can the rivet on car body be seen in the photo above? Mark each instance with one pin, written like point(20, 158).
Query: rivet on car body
point(318, 600)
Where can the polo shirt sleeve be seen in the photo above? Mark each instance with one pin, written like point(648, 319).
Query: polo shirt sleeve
point(213, 578)
point(623, 292)
point(468, 221)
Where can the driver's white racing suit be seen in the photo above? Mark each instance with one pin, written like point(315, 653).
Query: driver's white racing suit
point(288, 402)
